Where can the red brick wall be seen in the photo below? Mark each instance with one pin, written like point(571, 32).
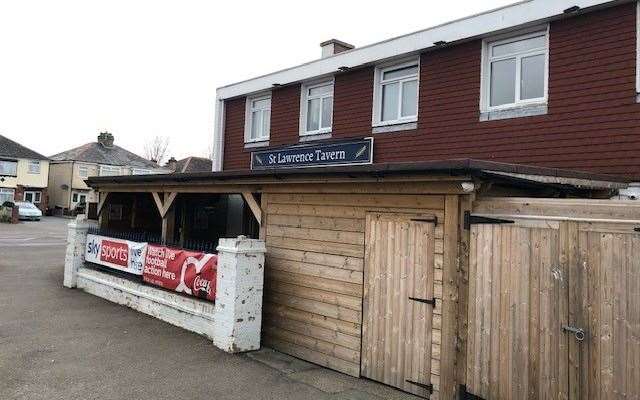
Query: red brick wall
point(593, 121)
point(44, 196)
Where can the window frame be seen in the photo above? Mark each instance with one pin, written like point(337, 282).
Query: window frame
point(377, 91)
point(37, 196)
point(82, 167)
point(77, 196)
point(5, 191)
point(637, 49)
point(304, 102)
point(110, 167)
point(248, 120)
point(31, 163)
point(485, 82)
point(140, 171)
point(15, 168)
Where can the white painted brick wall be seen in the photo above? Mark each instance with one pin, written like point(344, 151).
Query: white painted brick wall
point(233, 323)
point(76, 242)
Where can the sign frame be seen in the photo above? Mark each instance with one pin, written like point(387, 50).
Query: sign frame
point(318, 145)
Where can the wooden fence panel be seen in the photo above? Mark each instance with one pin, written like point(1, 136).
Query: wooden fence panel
point(518, 305)
point(608, 283)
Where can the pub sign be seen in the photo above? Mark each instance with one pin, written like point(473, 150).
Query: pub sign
point(351, 152)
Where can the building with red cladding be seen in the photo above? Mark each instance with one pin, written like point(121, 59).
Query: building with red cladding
point(551, 85)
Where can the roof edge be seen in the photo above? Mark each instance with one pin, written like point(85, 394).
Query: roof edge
point(507, 17)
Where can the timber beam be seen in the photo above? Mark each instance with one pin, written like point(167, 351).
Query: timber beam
point(164, 204)
point(253, 205)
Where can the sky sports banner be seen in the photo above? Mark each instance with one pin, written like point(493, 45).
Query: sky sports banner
point(118, 254)
point(184, 271)
point(352, 152)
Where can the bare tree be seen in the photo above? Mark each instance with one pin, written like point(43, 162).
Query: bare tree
point(156, 149)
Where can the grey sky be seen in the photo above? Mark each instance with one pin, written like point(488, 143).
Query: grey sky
point(141, 68)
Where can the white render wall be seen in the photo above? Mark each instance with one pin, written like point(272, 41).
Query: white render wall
point(233, 323)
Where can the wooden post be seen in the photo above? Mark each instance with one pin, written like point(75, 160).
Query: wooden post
point(466, 204)
point(168, 224)
point(448, 367)
point(167, 214)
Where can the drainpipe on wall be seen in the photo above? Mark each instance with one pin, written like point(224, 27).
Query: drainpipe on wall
point(218, 136)
point(70, 187)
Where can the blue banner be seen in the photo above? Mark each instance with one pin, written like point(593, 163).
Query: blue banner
point(352, 152)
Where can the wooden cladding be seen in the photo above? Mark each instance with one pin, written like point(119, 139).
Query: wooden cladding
point(314, 270)
point(533, 283)
point(399, 300)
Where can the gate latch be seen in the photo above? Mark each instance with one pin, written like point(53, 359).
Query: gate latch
point(427, 301)
point(578, 332)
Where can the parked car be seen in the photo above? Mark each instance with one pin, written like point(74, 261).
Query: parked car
point(27, 210)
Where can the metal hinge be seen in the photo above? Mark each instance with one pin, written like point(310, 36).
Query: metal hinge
point(433, 219)
point(475, 219)
point(427, 386)
point(427, 301)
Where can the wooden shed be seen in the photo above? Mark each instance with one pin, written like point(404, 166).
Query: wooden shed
point(436, 279)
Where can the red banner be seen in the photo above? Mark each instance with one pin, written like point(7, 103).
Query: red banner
point(184, 271)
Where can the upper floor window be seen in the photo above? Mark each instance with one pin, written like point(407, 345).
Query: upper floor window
point(258, 119)
point(34, 167)
point(8, 168)
point(140, 171)
point(396, 94)
point(515, 71)
point(317, 109)
point(83, 171)
point(108, 170)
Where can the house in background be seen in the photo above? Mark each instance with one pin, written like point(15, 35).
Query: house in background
point(23, 174)
point(189, 164)
point(70, 168)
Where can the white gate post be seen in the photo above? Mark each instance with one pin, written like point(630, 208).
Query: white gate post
point(240, 280)
point(76, 242)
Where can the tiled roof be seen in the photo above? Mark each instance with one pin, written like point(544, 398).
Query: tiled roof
point(95, 152)
point(11, 149)
point(193, 164)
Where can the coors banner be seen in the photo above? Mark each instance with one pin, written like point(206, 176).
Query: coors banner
point(189, 272)
point(119, 254)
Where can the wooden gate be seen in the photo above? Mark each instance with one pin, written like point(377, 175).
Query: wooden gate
point(398, 304)
point(554, 301)
point(605, 287)
point(518, 304)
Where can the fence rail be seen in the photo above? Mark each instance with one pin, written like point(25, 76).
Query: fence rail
point(148, 237)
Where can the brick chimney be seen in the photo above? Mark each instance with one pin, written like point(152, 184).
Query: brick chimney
point(171, 164)
point(105, 139)
point(334, 46)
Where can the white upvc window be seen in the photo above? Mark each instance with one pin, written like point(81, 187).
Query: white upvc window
point(83, 171)
point(6, 195)
point(317, 108)
point(78, 197)
point(515, 71)
point(8, 168)
point(638, 47)
point(140, 171)
point(109, 170)
point(33, 196)
point(33, 167)
point(257, 118)
point(396, 93)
